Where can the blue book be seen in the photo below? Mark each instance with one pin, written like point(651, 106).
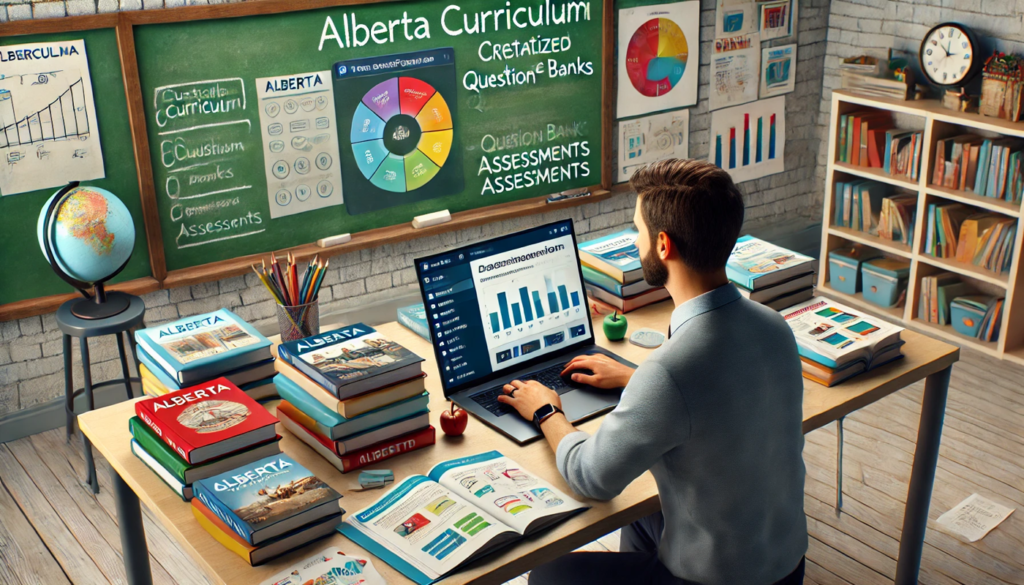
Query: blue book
point(267, 498)
point(609, 284)
point(414, 318)
point(246, 376)
point(333, 425)
point(195, 349)
point(837, 219)
point(981, 175)
point(351, 360)
point(615, 255)
point(755, 264)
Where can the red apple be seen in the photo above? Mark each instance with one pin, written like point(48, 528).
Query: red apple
point(454, 421)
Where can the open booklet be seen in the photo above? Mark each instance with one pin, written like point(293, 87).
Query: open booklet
point(429, 526)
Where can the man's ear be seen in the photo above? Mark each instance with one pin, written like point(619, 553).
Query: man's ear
point(664, 246)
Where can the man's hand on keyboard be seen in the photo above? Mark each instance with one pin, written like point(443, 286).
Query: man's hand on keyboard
point(527, 397)
point(608, 373)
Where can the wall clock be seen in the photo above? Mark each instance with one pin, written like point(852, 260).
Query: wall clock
point(948, 55)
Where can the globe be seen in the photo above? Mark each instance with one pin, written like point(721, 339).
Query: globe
point(93, 234)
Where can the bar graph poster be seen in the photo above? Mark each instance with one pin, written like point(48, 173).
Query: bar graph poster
point(735, 69)
point(48, 131)
point(778, 70)
point(735, 17)
point(749, 141)
point(652, 138)
point(659, 53)
point(530, 300)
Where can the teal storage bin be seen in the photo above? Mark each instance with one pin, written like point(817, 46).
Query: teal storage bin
point(967, 314)
point(844, 268)
point(884, 281)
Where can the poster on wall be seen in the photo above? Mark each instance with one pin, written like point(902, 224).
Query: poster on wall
point(735, 17)
point(650, 139)
point(749, 141)
point(778, 70)
point(300, 144)
point(735, 68)
point(659, 54)
point(776, 18)
point(48, 118)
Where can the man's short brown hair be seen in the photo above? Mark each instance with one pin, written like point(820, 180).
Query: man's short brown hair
point(696, 204)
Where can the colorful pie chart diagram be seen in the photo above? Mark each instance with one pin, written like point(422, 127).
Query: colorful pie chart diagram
point(401, 134)
point(656, 57)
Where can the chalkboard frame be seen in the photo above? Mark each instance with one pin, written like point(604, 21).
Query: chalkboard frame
point(125, 23)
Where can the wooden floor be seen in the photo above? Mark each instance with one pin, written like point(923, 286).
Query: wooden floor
point(53, 530)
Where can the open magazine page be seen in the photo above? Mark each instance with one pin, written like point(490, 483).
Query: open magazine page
point(837, 332)
point(428, 527)
point(498, 485)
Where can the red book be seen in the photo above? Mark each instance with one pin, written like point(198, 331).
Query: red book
point(207, 421)
point(876, 145)
point(357, 459)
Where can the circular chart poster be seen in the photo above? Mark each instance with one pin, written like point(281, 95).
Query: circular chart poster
point(656, 71)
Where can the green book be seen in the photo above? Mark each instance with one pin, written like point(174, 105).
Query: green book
point(842, 138)
point(187, 473)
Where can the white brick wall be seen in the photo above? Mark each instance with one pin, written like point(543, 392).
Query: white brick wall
point(31, 364)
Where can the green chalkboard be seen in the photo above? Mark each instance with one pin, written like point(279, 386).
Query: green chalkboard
point(228, 180)
point(26, 273)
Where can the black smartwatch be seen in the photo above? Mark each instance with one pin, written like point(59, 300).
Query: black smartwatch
point(544, 413)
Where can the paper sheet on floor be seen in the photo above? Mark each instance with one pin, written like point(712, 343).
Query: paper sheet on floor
point(974, 517)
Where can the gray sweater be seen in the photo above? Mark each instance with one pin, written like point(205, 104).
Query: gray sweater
point(715, 414)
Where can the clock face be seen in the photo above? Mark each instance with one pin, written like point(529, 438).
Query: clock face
point(947, 55)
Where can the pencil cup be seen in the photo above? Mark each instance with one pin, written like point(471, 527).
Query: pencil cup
point(300, 321)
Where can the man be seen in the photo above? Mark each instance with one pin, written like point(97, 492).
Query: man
point(715, 413)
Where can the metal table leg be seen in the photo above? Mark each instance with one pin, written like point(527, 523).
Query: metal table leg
point(87, 446)
point(922, 477)
point(124, 366)
point(133, 534)
point(69, 393)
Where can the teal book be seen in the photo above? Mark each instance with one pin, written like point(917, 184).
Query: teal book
point(195, 349)
point(615, 255)
point(267, 498)
point(246, 377)
point(609, 284)
point(755, 264)
point(333, 425)
point(414, 318)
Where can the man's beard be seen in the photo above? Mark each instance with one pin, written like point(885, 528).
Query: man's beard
point(655, 272)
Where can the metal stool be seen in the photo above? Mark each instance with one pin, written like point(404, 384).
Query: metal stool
point(83, 329)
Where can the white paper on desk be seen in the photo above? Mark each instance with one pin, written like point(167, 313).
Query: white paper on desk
point(329, 566)
point(974, 517)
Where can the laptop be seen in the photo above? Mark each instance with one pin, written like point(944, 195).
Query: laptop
point(512, 308)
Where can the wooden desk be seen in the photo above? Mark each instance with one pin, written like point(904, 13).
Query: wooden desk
point(133, 482)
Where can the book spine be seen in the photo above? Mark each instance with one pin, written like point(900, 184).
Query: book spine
point(388, 449)
point(157, 449)
point(311, 372)
point(304, 401)
point(173, 440)
point(209, 500)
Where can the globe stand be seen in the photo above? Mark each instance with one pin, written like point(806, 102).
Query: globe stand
point(100, 305)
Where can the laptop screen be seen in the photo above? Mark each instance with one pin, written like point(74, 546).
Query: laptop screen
point(504, 303)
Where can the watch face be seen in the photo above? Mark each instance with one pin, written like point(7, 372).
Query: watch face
point(947, 55)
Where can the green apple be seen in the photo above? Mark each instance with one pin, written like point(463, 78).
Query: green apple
point(615, 326)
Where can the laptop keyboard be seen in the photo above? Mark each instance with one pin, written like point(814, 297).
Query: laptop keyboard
point(550, 377)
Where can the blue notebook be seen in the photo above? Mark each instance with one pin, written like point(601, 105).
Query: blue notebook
point(195, 349)
point(414, 318)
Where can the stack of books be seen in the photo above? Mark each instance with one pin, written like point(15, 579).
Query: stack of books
point(199, 432)
point(983, 166)
point(414, 318)
point(197, 349)
point(771, 275)
point(984, 239)
point(873, 208)
point(612, 273)
point(862, 137)
point(836, 343)
point(943, 228)
point(354, 396)
point(902, 156)
point(266, 508)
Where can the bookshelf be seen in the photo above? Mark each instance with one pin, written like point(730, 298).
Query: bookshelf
point(938, 123)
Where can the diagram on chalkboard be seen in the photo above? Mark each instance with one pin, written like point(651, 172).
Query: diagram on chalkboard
point(402, 129)
point(48, 131)
point(659, 40)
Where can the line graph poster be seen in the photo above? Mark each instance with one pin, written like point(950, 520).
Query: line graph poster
point(749, 141)
point(659, 53)
point(48, 130)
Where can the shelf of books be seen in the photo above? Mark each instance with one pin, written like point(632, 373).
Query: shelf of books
point(914, 182)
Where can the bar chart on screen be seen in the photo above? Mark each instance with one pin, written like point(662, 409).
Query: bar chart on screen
point(521, 307)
